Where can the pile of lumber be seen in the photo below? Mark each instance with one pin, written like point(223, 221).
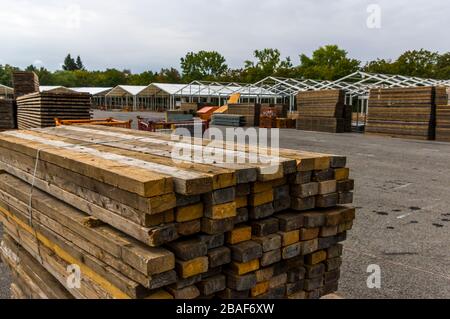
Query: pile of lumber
point(404, 112)
point(267, 121)
point(25, 83)
point(279, 110)
point(7, 115)
point(250, 111)
point(323, 111)
point(443, 118)
point(112, 205)
point(228, 120)
point(268, 115)
point(206, 112)
point(189, 107)
point(39, 110)
point(284, 123)
point(178, 116)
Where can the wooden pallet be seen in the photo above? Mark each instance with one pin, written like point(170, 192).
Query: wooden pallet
point(140, 225)
point(323, 111)
point(40, 109)
point(250, 111)
point(25, 83)
point(228, 120)
point(405, 112)
point(7, 115)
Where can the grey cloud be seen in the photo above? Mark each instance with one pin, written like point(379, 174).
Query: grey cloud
point(142, 35)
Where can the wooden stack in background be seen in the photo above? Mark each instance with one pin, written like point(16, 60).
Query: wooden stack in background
point(323, 111)
point(7, 115)
point(228, 120)
point(137, 224)
point(268, 116)
point(443, 117)
point(25, 83)
point(39, 110)
point(404, 112)
point(250, 111)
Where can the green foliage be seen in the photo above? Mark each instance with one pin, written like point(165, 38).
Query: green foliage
point(381, 66)
point(327, 63)
point(69, 64)
point(79, 63)
point(168, 76)
point(6, 74)
point(203, 65)
point(443, 66)
point(420, 63)
point(268, 63)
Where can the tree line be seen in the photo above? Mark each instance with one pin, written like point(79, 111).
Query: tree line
point(326, 63)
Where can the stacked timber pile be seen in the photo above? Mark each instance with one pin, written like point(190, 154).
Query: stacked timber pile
point(323, 111)
point(25, 83)
point(112, 205)
point(268, 117)
point(39, 110)
point(443, 116)
point(404, 112)
point(7, 115)
point(280, 110)
point(250, 111)
point(228, 120)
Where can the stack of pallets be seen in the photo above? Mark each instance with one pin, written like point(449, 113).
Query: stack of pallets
point(228, 120)
point(404, 112)
point(443, 118)
point(268, 116)
point(25, 83)
point(7, 115)
point(323, 111)
point(117, 207)
point(39, 110)
point(250, 111)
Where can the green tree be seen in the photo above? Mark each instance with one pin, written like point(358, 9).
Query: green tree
point(6, 74)
point(420, 63)
point(69, 64)
point(443, 66)
point(168, 76)
point(327, 63)
point(268, 63)
point(144, 78)
point(381, 66)
point(203, 65)
point(79, 63)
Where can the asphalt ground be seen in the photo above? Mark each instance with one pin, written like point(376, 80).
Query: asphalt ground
point(403, 218)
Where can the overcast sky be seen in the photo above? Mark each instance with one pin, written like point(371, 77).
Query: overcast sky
point(147, 35)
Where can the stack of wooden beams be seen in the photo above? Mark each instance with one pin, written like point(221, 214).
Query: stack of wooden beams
point(443, 117)
point(39, 110)
point(404, 112)
point(7, 115)
point(113, 204)
point(268, 116)
point(284, 123)
point(280, 110)
point(323, 111)
point(25, 83)
point(250, 111)
point(228, 120)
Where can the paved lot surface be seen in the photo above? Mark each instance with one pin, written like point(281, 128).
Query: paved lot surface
point(403, 223)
